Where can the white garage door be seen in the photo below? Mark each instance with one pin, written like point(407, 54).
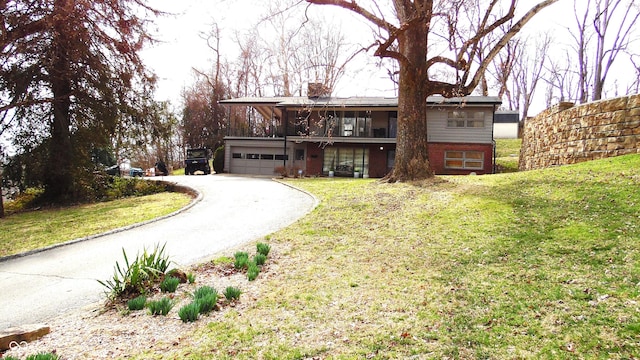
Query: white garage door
point(245, 160)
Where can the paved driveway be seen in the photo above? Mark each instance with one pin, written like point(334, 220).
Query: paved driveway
point(232, 211)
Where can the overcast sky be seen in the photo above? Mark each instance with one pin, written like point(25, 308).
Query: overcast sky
point(182, 48)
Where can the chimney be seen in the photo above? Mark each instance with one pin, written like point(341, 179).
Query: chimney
point(316, 90)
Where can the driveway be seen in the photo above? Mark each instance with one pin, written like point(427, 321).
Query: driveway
point(232, 211)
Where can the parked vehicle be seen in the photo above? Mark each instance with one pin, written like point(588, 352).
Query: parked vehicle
point(197, 161)
point(134, 171)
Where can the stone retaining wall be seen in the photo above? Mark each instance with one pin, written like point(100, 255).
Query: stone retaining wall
point(567, 134)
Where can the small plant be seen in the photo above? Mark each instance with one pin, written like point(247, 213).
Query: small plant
point(252, 271)
point(207, 303)
point(169, 284)
point(189, 313)
point(191, 278)
point(135, 276)
point(160, 307)
point(241, 260)
point(263, 249)
point(232, 293)
point(204, 291)
point(260, 259)
point(137, 303)
point(43, 356)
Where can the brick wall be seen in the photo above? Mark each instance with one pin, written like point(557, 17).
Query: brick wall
point(567, 134)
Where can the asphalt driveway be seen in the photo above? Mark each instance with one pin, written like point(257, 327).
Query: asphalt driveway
point(231, 211)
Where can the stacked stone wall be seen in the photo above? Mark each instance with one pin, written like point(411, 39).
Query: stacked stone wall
point(568, 134)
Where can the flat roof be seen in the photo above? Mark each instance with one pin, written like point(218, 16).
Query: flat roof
point(277, 101)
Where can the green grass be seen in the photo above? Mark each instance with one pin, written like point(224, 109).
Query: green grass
point(507, 154)
point(37, 229)
point(540, 264)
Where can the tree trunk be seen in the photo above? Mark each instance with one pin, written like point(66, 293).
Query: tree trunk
point(1, 198)
point(58, 179)
point(412, 156)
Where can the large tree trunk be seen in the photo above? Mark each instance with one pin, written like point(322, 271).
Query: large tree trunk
point(58, 179)
point(412, 156)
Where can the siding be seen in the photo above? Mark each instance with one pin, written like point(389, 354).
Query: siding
point(439, 132)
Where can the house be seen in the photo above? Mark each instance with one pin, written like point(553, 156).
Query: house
point(506, 124)
point(356, 136)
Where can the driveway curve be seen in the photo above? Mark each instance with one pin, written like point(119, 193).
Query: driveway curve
point(232, 211)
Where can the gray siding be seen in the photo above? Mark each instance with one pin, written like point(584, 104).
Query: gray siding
point(439, 132)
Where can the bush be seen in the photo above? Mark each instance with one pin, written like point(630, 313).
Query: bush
point(232, 293)
point(263, 249)
point(218, 160)
point(260, 259)
point(169, 284)
point(189, 313)
point(241, 260)
point(137, 303)
point(160, 307)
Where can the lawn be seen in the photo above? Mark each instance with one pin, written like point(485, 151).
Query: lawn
point(540, 264)
point(507, 154)
point(37, 229)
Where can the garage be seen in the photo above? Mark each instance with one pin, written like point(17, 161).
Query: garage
point(254, 160)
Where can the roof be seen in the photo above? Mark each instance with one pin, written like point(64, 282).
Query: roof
point(356, 101)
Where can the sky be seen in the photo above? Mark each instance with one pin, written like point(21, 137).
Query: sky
point(181, 47)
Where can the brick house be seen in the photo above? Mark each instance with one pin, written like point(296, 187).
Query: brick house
point(356, 136)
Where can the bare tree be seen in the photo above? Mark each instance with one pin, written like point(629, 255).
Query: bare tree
point(528, 71)
point(407, 38)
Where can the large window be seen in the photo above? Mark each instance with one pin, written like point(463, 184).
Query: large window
point(465, 119)
point(345, 161)
point(465, 160)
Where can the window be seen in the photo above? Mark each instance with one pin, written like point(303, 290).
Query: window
point(393, 124)
point(266, 156)
point(467, 160)
point(465, 119)
point(253, 156)
point(282, 157)
point(237, 155)
point(299, 154)
point(345, 161)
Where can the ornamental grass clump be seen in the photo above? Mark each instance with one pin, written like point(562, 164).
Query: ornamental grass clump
point(169, 284)
point(206, 297)
point(137, 303)
point(232, 293)
point(263, 249)
point(241, 260)
point(160, 307)
point(191, 278)
point(189, 313)
point(252, 271)
point(260, 259)
point(43, 356)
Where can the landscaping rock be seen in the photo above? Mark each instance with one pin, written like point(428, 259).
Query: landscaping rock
point(17, 335)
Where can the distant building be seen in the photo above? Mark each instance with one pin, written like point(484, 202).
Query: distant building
point(506, 124)
point(357, 136)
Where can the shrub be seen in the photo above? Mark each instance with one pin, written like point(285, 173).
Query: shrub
point(169, 284)
point(260, 259)
point(137, 303)
point(160, 307)
point(218, 160)
point(241, 260)
point(263, 249)
point(189, 313)
point(232, 293)
point(252, 271)
point(207, 302)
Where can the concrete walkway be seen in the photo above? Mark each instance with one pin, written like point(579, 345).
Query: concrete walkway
point(232, 211)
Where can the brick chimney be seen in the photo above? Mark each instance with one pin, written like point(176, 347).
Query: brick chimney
point(316, 90)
